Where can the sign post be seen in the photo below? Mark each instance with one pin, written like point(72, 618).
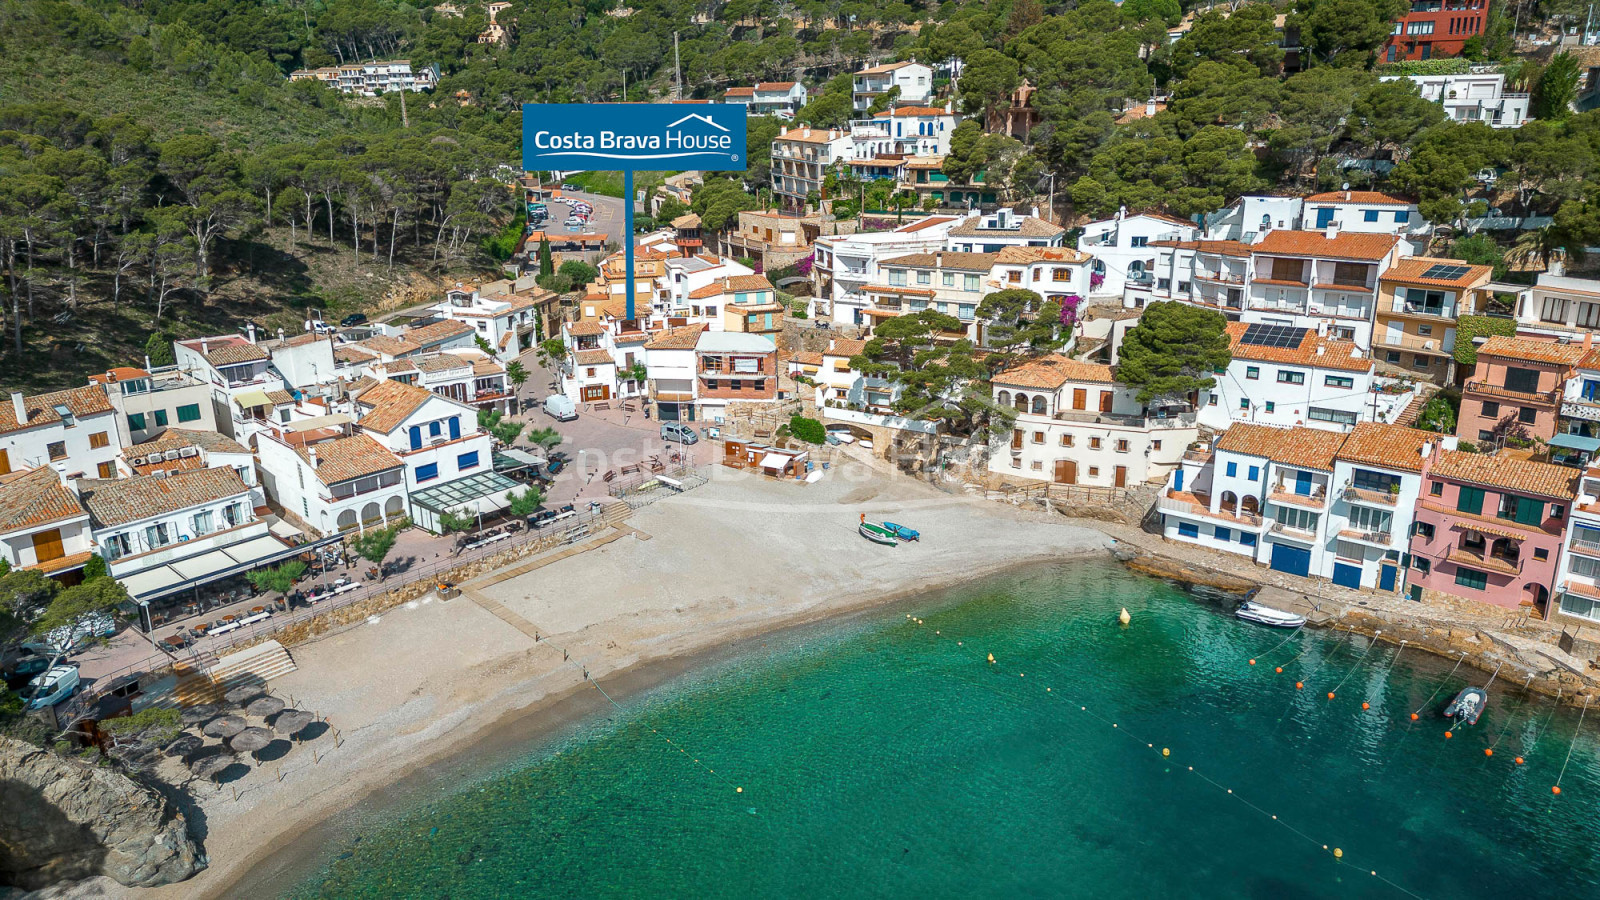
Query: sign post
point(633, 137)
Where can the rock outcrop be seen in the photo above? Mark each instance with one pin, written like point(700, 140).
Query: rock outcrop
point(66, 819)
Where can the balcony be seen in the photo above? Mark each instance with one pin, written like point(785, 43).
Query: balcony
point(1317, 499)
point(1586, 409)
point(1219, 277)
point(1491, 562)
point(1550, 397)
point(1198, 456)
point(1413, 342)
point(1293, 533)
point(1199, 505)
point(1366, 497)
point(1405, 308)
point(1382, 539)
point(1587, 548)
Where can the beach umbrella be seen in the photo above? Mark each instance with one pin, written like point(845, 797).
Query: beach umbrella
point(212, 766)
point(250, 740)
point(184, 745)
point(243, 694)
point(292, 721)
point(261, 707)
point(203, 712)
point(224, 726)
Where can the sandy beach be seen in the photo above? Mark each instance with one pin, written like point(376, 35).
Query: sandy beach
point(738, 557)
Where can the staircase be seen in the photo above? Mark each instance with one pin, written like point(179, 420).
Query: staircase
point(1413, 410)
point(206, 679)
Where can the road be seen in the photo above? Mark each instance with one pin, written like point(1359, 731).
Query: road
point(607, 219)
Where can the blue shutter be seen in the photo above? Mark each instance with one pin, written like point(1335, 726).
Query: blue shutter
point(1233, 469)
point(416, 437)
point(1255, 473)
point(455, 427)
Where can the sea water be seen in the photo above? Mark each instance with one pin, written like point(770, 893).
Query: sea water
point(887, 757)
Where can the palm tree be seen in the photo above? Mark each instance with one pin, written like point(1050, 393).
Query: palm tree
point(1541, 244)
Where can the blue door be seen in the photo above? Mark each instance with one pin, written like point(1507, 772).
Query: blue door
point(1324, 217)
point(1302, 483)
point(1347, 576)
point(1177, 481)
point(1294, 560)
point(1386, 577)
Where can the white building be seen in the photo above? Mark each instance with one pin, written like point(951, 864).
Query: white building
point(73, 431)
point(1377, 481)
point(149, 402)
point(43, 527)
point(181, 450)
point(1053, 273)
point(1121, 247)
point(1473, 97)
point(501, 312)
point(769, 98)
point(1364, 212)
point(332, 481)
point(1253, 215)
point(1559, 307)
point(1324, 280)
point(245, 391)
point(1578, 575)
point(993, 232)
point(371, 79)
point(845, 265)
point(915, 130)
point(690, 275)
point(1293, 376)
point(914, 80)
point(801, 159)
point(944, 281)
point(670, 362)
point(1209, 273)
point(1077, 425)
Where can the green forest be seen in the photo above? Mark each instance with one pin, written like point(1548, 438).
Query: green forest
point(161, 176)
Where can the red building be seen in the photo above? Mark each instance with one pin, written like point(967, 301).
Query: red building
point(1435, 28)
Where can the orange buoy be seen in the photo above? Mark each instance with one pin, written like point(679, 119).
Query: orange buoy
point(1330, 695)
point(1365, 705)
point(1280, 670)
point(1448, 735)
point(1488, 751)
point(1413, 717)
point(1252, 662)
point(1299, 685)
point(1519, 760)
point(1556, 789)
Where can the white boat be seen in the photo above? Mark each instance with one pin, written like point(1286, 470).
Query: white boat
point(1266, 615)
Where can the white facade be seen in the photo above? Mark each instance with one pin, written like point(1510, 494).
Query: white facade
point(305, 361)
point(42, 523)
point(1578, 576)
point(1253, 215)
point(1559, 307)
point(845, 264)
point(1369, 522)
point(73, 431)
point(1121, 247)
point(993, 232)
point(1473, 97)
point(371, 79)
point(914, 130)
point(914, 80)
point(148, 403)
point(1286, 394)
point(801, 159)
point(1322, 280)
point(439, 441)
point(1052, 272)
point(311, 482)
point(502, 313)
point(241, 378)
point(1363, 212)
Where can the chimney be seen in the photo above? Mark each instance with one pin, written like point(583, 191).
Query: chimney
point(111, 375)
point(250, 332)
point(938, 259)
point(205, 346)
point(1332, 231)
point(783, 130)
point(19, 408)
point(1321, 349)
point(1150, 107)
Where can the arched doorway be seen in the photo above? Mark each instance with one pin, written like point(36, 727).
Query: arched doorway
point(1538, 597)
point(1250, 506)
point(347, 520)
point(1038, 405)
point(1005, 398)
point(1022, 402)
point(371, 514)
point(1230, 502)
point(394, 508)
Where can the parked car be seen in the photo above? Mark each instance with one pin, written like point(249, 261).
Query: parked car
point(569, 187)
point(683, 434)
point(21, 670)
point(560, 407)
point(52, 687)
point(353, 320)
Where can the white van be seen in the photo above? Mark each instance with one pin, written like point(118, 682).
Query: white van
point(560, 407)
point(52, 687)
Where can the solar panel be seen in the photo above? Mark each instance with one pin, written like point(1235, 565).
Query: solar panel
point(1280, 336)
point(1445, 273)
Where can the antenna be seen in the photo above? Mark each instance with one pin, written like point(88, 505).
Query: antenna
point(677, 70)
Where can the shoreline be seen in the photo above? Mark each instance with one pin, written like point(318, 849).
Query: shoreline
point(517, 731)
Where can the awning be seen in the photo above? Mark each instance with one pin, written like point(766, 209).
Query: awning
point(1576, 442)
point(217, 564)
point(512, 459)
point(252, 398)
point(775, 460)
point(284, 529)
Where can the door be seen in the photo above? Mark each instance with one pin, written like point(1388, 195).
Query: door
point(47, 545)
point(1066, 471)
point(1386, 577)
point(1122, 476)
point(667, 412)
point(1324, 218)
point(1348, 576)
point(1080, 398)
point(1105, 401)
point(1016, 438)
point(1294, 560)
point(594, 392)
point(1302, 483)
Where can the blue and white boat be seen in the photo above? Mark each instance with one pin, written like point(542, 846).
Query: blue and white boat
point(902, 532)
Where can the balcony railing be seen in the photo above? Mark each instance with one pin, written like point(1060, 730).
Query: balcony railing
point(1353, 494)
point(1383, 338)
point(1179, 504)
point(1378, 538)
point(1444, 311)
point(1495, 390)
point(1491, 562)
point(1587, 548)
point(1317, 499)
point(1291, 531)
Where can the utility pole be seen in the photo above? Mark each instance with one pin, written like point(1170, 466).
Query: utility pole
point(1052, 198)
point(405, 121)
point(677, 68)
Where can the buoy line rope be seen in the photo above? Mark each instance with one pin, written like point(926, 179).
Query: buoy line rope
point(1446, 680)
point(1356, 666)
point(1282, 642)
point(1575, 732)
point(1504, 730)
point(1165, 753)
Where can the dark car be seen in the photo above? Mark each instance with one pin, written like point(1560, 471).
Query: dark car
point(21, 670)
point(353, 320)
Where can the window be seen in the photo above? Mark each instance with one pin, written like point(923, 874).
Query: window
point(969, 282)
point(1365, 518)
point(99, 439)
point(189, 413)
point(57, 449)
point(1254, 473)
point(1183, 287)
point(1094, 471)
point(1392, 357)
point(1472, 578)
point(1338, 416)
point(897, 278)
point(1038, 437)
point(1470, 500)
point(427, 472)
point(106, 470)
point(1523, 381)
point(1287, 269)
point(1436, 489)
point(1350, 273)
point(1368, 480)
point(1556, 511)
point(1155, 445)
point(156, 535)
point(1286, 376)
point(135, 421)
point(1423, 529)
point(1403, 216)
point(1187, 529)
point(1527, 415)
point(924, 278)
point(1252, 372)
point(1139, 241)
point(1541, 553)
point(1233, 469)
point(1244, 404)
point(1415, 28)
point(203, 522)
point(1036, 465)
point(1522, 510)
point(161, 418)
point(1491, 409)
point(1271, 407)
point(1420, 563)
point(1066, 440)
point(1122, 446)
point(1224, 534)
point(1485, 435)
point(1298, 519)
point(949, 279)
point(1369, 215)
point(467, 461)
point(1247, 539)
point(1094, 443)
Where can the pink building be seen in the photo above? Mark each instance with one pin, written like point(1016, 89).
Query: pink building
point(1489, 528)
point(1519, 379)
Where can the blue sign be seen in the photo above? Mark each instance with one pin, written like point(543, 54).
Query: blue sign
point(633, 136)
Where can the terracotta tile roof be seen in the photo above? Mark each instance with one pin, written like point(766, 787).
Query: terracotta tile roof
point(1508, 473)
point(775, 85)
point(181, 464)
point(81, 402)
point(37, 498)
point(125, 500)
point(683, 338)
point(731, 284)
point(1548, 352)
point(969, 262)
point(438, 332)
point(1052, 371)
point(280, 397)
point(925, 162)
point(585, 328)
point(807, 358)
point(234, 353)
point(349, 353)
point(1310, 448)
point(441, 362)
point(908, 111)
point(1342, 355)
point(1030, 227)
point(1343, 245)
point(739, 92)
point(1222, 248)
point(120, 373)
point(61, 563)
point(391, 402)
point(1389, 446)
point(177, 439)
point(1409, 269)
point(594, 358)
point(342, 459)
point(1165, 217)
point(384, 345)
point(891, 289)
point(1370, 198)
point(884, 69)
point(806, 135)
point(294, 340)
point(1023, 255)
point(844, 347)
point(687, 220)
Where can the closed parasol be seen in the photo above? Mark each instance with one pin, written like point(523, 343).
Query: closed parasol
point(225, 726)
point(292, 721)
point(261, 707)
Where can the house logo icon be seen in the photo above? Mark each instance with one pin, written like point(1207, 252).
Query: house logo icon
point(697, 116)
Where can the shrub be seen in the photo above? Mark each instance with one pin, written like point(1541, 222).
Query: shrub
point(808, 430)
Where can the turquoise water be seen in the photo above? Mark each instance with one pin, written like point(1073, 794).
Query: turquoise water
point(881, 759)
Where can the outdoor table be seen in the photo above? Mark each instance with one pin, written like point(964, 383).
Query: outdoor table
point(229, 618)
point(257, 609)
point(347, 586)
point(202, 629)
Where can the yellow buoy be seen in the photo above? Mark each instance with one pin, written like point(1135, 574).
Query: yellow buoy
point(738, 790)
point(991, 659)
point(1165, 752)
point(1337, 853)
point(1123, 617)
